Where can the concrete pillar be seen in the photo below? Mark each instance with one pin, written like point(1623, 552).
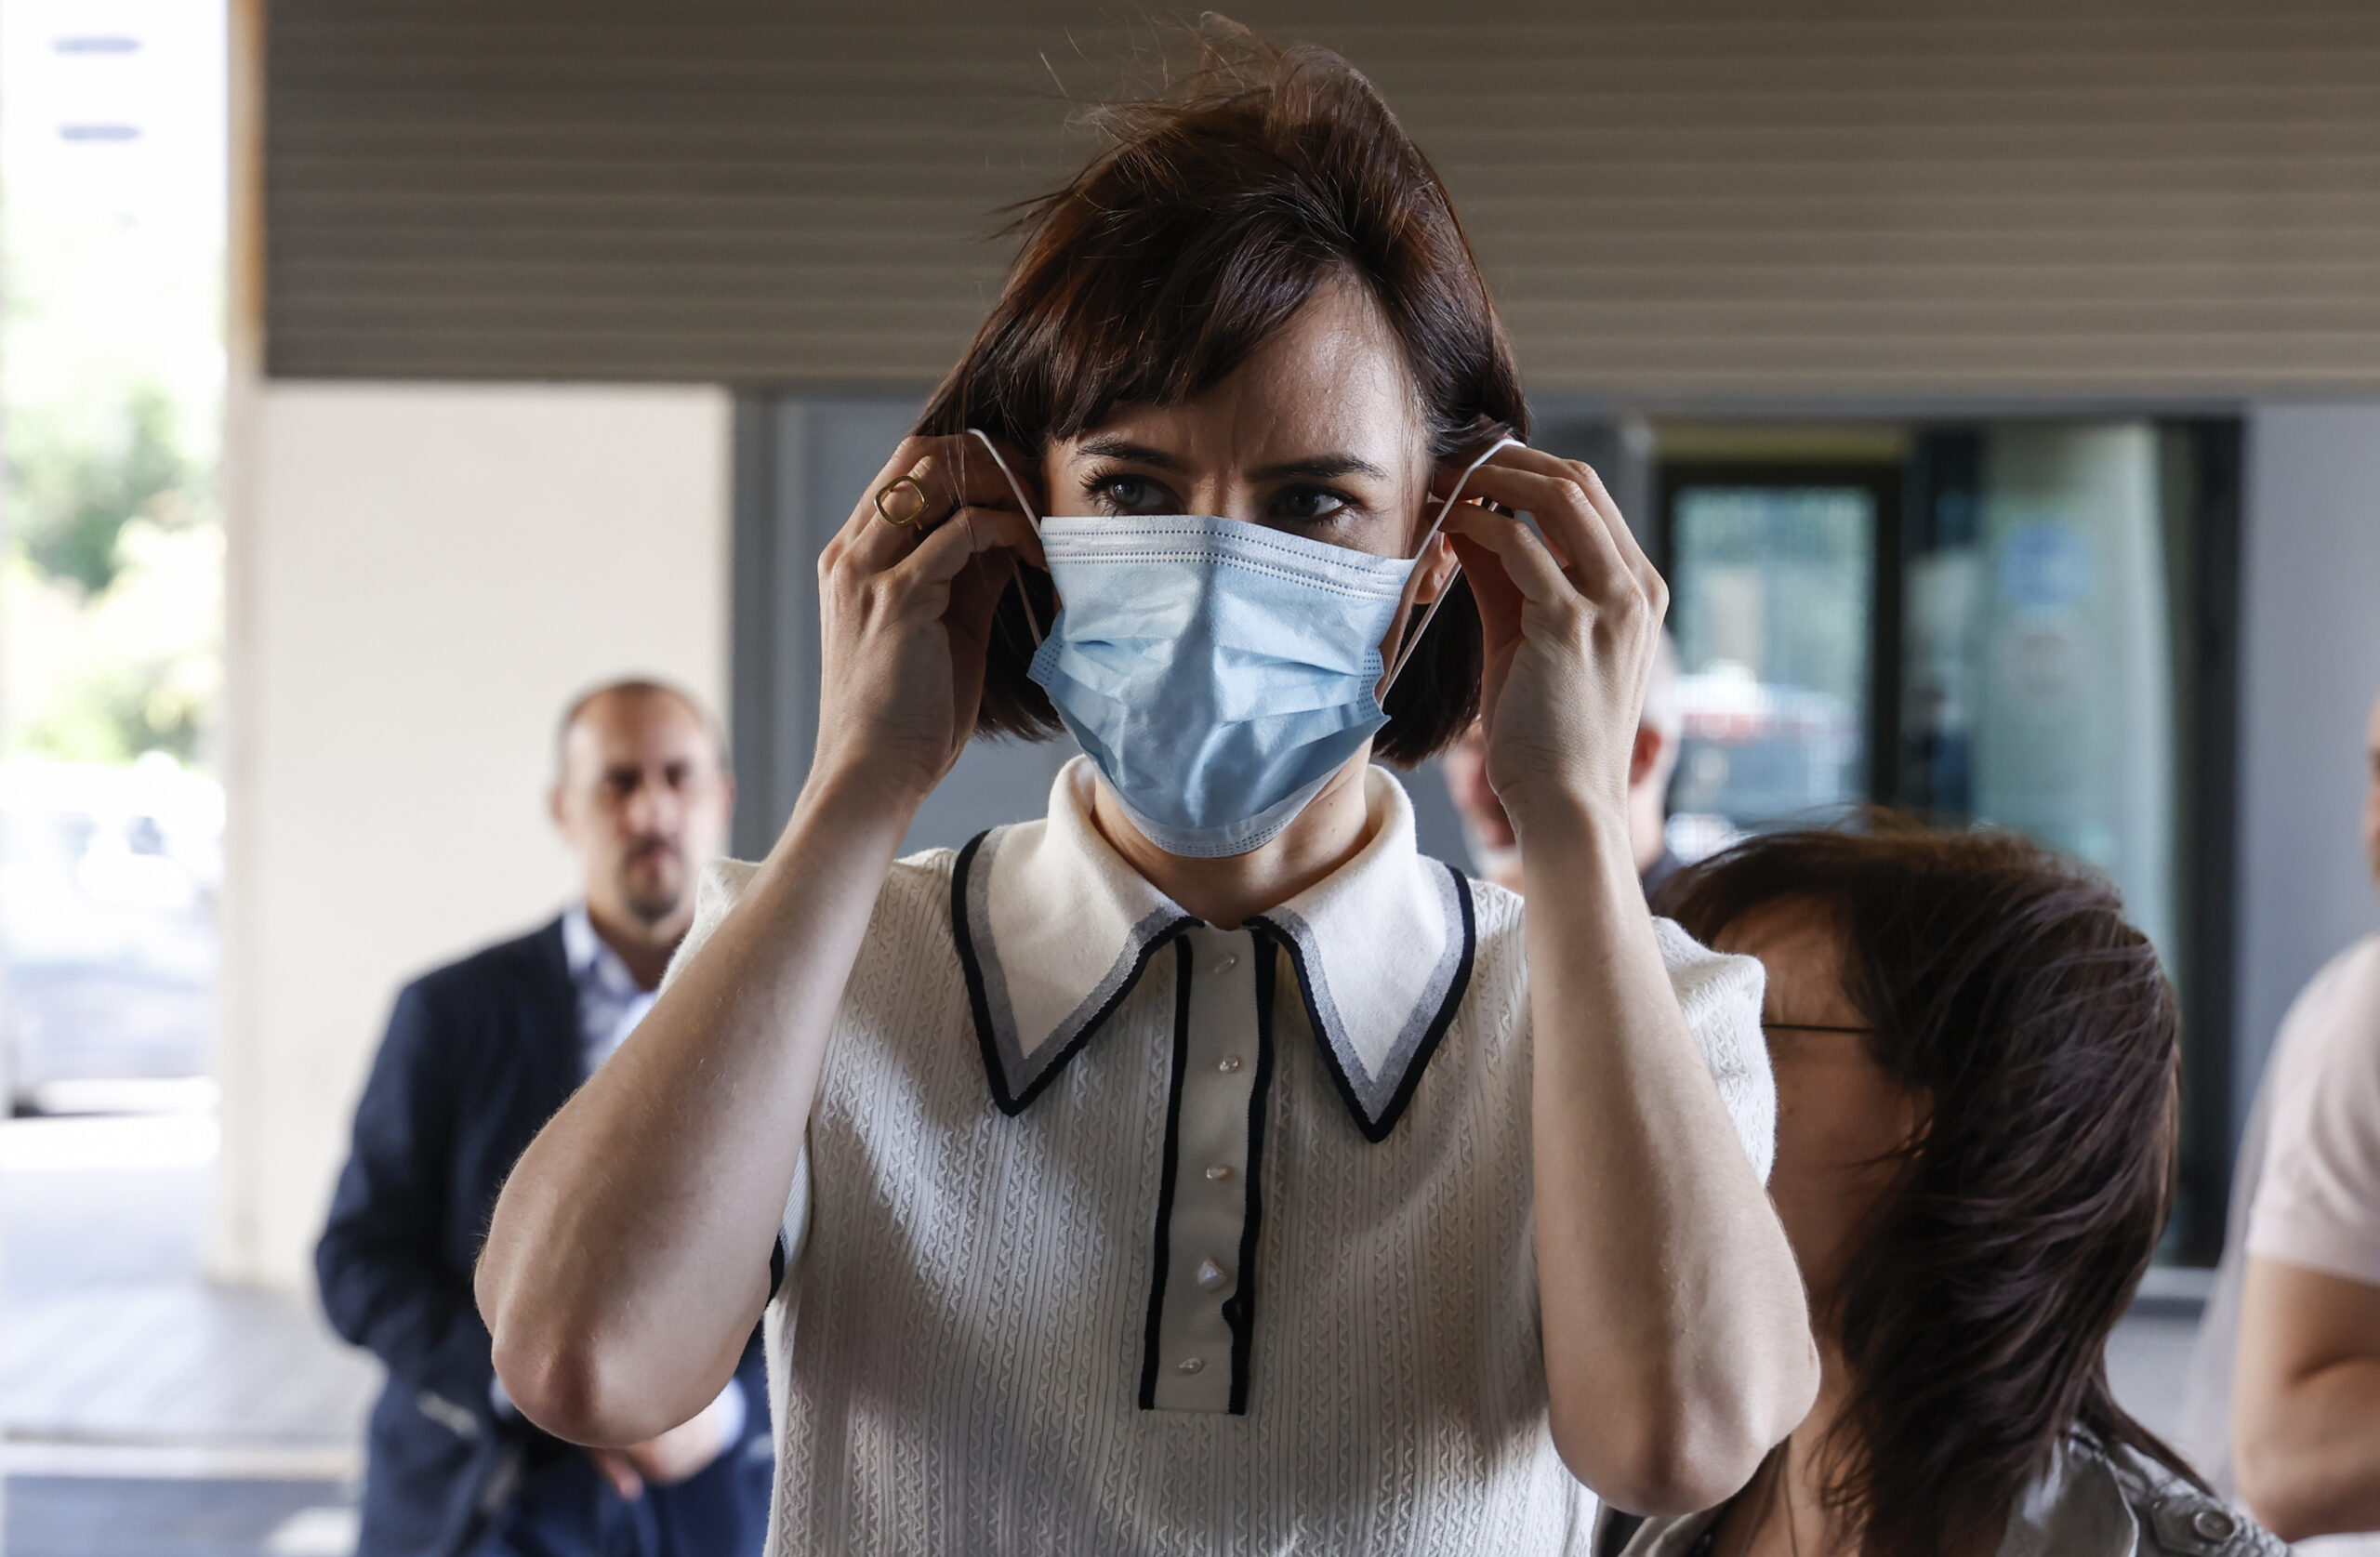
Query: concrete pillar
point(422, 577)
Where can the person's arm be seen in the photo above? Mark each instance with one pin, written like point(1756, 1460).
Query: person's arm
point(2306, 1401)
point(1677, 1340)
point(628, 1257)
point(383, 1285)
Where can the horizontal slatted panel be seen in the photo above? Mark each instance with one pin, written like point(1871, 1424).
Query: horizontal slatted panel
point(2108, 196)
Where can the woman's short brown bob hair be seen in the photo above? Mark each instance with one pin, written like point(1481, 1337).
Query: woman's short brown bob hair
point(2004, 986)
point(1217, 212)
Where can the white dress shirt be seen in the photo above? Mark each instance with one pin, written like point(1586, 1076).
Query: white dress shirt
point(610, 1000)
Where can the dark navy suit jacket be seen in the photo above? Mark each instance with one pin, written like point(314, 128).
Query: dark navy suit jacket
point(478, 1056)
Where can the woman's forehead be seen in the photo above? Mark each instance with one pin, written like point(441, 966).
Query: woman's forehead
point(1800, 944)
point(1332, 380)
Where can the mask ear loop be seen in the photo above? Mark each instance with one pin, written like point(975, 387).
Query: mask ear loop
point(1445, 508)
point(1015, 570)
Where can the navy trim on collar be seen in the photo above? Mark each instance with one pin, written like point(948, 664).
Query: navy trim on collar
point(1169, 1167)
point(1033, 1075)
point(1374, 1050)
point(1377, 1102)
point(1239, 1309)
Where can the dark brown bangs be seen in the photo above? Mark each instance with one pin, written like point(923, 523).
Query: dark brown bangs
point(1147, 301)
point(1218, 213)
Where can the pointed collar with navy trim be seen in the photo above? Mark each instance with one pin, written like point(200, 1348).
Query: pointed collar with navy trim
point(1054, 928)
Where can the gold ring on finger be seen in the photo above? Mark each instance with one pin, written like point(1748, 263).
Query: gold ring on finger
point(915, 514)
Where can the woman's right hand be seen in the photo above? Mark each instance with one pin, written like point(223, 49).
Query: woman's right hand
point(617, 1351)
point(906, 615)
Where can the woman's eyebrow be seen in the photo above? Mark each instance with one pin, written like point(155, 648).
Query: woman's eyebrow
point(1128, 451)
point(1321, 467)
point(1314, 466)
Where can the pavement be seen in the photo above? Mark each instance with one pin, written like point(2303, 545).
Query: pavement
point(145, 1412)
point(149, 1414)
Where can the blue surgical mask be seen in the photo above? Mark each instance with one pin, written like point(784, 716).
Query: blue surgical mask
point(1216, 672)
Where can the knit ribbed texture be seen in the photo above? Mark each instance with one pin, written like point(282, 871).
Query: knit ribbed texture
point(954, 1355)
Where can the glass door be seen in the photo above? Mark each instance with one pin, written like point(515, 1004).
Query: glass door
point(1774, 573)
point(2020, 624)
point(2040, 686)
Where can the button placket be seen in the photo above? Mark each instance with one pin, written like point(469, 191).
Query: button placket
point(1209, 1195)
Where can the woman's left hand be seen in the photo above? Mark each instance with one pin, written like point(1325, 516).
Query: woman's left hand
point(1571, 625)
point(1676, 1342)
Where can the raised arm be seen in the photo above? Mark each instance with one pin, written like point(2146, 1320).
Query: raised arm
point(2306, 1401)
point(1678, 1343)
point(628, 1257)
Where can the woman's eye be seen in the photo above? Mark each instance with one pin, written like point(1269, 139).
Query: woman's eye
point(1128, 494)
point(1308, 505)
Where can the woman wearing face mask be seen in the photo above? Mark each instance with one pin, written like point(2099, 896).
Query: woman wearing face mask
point(1198, 1168)
point(1976, 1061)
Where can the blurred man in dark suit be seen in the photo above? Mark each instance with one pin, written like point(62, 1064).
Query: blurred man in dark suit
point(478, 1055)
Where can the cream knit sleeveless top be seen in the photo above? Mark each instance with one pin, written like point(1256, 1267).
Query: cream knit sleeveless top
point(956, 1352)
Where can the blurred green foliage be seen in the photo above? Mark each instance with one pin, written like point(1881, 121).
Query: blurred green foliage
point(121, 712)
point(112, 593)
point(74, 497)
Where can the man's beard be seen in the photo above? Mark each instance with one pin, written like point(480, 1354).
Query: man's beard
point(653, 896)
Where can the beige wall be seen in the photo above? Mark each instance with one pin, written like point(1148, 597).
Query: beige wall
point(421, 577)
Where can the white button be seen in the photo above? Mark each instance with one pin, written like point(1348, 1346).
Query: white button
point(1227, 962)
point(1228, 1063)
point(1219, 1171)
point(1211, 1275)
point(1190, 1364)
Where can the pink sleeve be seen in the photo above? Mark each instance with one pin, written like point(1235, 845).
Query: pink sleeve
point(2318, 1203)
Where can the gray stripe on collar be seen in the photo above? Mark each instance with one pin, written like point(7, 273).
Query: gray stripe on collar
point(1376, 1090)
point(1053, 930)
point(1021, 1075)
point(1377, 1095)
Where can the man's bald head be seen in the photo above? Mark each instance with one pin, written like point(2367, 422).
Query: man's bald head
point(596, 699)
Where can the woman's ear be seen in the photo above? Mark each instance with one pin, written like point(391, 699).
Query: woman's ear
point(1434, 569)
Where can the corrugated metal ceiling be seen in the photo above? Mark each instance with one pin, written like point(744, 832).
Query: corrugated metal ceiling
point(2108, 197)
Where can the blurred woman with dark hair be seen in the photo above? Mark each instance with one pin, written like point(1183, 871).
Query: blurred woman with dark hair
point(1198, 1168)
point(1976, 1070)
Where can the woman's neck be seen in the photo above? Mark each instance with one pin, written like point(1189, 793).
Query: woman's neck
point(1804, 1525)
point(1782, 1512)
point(1795, 1519)
point(1226, 892)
